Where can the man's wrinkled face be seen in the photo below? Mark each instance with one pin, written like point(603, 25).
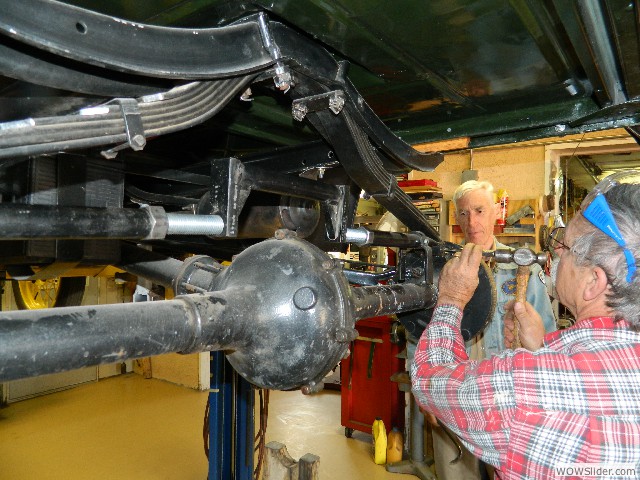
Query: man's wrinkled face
point(476, 214)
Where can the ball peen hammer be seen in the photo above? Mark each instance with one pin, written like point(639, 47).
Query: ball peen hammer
point(523, 258)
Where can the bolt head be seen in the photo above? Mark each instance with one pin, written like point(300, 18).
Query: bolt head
point(341, 336)
point(330, 264)
point(138, 141)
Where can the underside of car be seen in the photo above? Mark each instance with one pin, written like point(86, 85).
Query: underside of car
point(168, 138)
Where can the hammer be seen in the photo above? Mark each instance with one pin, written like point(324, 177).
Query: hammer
point(524, 258)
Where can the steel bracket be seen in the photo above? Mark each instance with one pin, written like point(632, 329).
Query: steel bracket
point(333, 101)
point(229, 192)
point(335, 218)
point(232, 181)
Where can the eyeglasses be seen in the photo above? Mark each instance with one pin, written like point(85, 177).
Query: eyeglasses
point(596, 209)
point(555, 240)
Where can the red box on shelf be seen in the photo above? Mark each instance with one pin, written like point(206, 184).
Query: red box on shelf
point(423, 182)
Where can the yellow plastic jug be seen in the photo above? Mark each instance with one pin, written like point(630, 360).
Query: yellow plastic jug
point(395, 445)
point(379, 442)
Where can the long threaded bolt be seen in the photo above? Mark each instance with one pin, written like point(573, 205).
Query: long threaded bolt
point(185, 224)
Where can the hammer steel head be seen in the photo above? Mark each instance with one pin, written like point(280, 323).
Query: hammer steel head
point(521, 256)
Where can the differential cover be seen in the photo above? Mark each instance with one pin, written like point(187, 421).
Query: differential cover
point(293, 318)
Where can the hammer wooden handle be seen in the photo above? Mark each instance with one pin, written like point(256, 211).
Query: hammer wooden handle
point(522, 280)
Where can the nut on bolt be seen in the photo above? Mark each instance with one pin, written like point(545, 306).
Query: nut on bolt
point(344, 335)
point(299, 111)
point(312, 387)
point(283, 79)
point(283, 233)
point(336, 103)
point(330, 263)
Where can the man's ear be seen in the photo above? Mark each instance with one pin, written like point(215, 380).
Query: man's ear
point(596, 285)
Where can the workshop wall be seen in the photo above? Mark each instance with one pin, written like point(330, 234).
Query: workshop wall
point(185, 370)
point(520, 170)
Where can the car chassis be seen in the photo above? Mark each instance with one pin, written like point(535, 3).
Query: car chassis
point(67, 175)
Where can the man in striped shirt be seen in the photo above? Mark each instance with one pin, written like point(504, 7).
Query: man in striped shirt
point(571, 397)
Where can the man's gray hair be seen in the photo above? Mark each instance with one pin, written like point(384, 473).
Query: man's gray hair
point(597, 248)
point(471, 186)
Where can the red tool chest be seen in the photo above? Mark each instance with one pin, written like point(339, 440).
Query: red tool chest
point(367, 391)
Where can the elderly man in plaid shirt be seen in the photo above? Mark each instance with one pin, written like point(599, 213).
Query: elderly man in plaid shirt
point(567, 398)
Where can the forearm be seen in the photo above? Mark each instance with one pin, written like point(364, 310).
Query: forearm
point(438, 353)
point(441, 342)
point(461, 393)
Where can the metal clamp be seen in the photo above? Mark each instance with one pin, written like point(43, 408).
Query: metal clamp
point(282, 79)
point(133, 127)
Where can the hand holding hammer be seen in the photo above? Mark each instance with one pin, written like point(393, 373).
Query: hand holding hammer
point(524, 258)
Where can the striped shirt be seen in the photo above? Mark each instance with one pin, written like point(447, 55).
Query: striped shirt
point(575, 400)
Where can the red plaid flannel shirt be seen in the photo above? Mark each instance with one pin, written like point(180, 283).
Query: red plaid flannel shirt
point(576, 400)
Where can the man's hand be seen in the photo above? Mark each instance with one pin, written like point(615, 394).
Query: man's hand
point(459, 277)
point(531, 329)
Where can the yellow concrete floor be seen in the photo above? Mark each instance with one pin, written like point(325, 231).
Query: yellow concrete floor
point(127, 427)
point(311, 424)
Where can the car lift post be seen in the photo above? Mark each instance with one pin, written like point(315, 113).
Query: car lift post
point(231, 422)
